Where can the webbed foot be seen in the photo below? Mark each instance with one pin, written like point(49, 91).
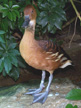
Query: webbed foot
point(40, 98)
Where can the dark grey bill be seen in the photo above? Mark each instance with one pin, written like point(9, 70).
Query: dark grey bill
point(26, 22)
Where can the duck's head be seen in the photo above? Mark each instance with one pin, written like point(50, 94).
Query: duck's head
point(29, 17)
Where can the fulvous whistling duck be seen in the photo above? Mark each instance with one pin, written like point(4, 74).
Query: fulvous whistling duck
point(40, 54)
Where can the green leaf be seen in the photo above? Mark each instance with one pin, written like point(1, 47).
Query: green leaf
point(5, 13)
point(74, 94)
point(4, 9)
point(21, 62)
point(14, 73)
point(1, 40)
point(71, 106)
point(58, 24)
point(1, 7)
point(15, 6)
point(14, 16)
point(10, 3)
point(6, 5)
point(2, 32)
point(7, 64)
point(14, 52)
point(43, 14)
point(3, 46)
point(4, 73)
point(75, 106)
point(4, 24)
point(50, 27)
point(10, 16)
point(17, 13)
point(53, 30)
point(44, 21)
point(1, 64)
point(12, 45)
point(13, 59)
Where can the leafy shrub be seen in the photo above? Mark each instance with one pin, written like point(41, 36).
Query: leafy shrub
point(9, 14)
point(51, 15)
point(9, 54)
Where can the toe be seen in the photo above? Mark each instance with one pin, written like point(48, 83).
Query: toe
point(33, 91)
point(40, 98)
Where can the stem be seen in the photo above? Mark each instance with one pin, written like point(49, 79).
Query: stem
point(77, 13)
point(73, 33)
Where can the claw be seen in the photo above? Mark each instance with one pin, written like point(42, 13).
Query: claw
point(40, 98)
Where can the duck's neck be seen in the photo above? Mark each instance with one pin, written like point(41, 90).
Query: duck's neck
point(28, 37)
point(29, 34)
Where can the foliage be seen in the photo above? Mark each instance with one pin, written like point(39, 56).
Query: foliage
point(9, 13)
point(11, 16)
point(9, 54)
point(51, 15)
point(74, 94)
point(71, 106)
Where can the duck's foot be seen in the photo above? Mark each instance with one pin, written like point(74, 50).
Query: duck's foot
point(35, 91)
point(40, 98)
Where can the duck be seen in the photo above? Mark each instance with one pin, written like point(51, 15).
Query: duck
point(43, 55)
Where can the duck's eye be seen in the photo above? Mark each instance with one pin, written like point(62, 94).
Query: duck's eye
point(32, 11)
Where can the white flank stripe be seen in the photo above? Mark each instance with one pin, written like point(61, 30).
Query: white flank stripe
point(57, 60)
point(64, 58)
point(66, 64)
point(55, 54)
point(60, 55)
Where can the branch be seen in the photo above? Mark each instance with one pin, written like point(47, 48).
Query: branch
point(77, 13)
point(69, 22)
point(73, 33)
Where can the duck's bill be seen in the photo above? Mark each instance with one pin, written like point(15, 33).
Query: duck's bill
point(26, 21)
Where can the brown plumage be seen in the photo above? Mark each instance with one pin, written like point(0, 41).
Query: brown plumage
point(40, 54)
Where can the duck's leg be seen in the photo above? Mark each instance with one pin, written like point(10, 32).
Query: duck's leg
point(35, 91)
point(41, 98)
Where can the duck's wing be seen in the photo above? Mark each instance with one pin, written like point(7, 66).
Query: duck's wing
point(56, 52)
point(48, 45)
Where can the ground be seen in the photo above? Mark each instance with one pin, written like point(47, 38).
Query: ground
point(13, 96)
point(64, 81)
